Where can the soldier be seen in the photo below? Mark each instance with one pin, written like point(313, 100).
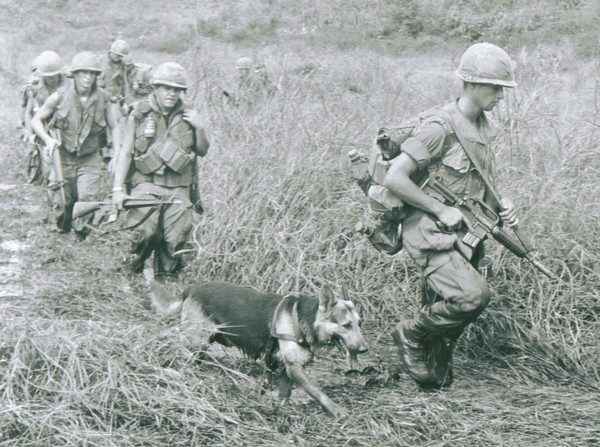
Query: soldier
point(254, 85)
point(455, 293)
point(118, 73)
point(162, 139)
point(47, 77)
point(117, 79)
point(79, 114)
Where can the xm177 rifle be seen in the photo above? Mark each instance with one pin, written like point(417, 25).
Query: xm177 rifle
point(107, 208)
point(483, 221)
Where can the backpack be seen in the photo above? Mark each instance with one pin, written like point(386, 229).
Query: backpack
point(385, 211)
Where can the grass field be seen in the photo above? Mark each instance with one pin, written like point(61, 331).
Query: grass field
point(84, 360)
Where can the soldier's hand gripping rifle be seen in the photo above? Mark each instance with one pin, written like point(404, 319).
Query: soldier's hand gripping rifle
point(108, 208)
point(483, 221)
point(57, 164)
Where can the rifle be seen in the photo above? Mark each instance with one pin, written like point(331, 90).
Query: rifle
point(57, 164)
point(195, 197)
point(483, 221)
point(81, 209)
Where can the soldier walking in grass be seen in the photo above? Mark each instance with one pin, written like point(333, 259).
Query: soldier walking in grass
point(47, 77)
point(163, 138)
point(79, 115)
point(116, 78)
point(453, 145)
point(254, 85)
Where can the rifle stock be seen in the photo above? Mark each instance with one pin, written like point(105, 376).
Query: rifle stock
point(483, 221)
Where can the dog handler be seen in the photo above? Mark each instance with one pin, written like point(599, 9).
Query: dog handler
point(162, 139)
point(455, 293)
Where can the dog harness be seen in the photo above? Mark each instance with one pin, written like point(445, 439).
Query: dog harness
point(285, 303)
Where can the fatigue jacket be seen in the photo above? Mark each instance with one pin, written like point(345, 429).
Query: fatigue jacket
point(436, 149)
point(117, 79)
point(83, 129)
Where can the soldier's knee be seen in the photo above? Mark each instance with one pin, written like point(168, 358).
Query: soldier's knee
point(476, 299)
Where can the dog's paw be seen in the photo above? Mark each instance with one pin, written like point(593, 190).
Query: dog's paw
point(338, 411)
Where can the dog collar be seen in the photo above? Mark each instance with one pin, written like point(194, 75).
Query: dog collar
point(297, 335)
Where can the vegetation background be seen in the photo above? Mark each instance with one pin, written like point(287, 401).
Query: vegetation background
point(85, 362)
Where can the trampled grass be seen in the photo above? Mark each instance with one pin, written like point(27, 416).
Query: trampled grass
point(85, 361)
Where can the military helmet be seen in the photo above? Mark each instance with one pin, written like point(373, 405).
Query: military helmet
point(170, 74)
point(119, 47)
point(48, 63)
point(86, 61)
point(486, 63)
point(243, 63)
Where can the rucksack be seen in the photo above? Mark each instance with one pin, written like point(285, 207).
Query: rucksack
point(385, 211)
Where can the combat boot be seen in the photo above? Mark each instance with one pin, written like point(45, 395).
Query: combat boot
point(438, 354)
point(408, 337)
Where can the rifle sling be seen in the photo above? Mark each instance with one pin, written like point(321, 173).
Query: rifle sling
point(138, 223)
point(471, 154)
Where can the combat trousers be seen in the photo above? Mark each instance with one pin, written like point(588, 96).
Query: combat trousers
point(454, 292)
point(163, 230)
point(82, 177)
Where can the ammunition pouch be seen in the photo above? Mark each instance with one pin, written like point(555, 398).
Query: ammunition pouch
point(175, 157)
point(148, 162)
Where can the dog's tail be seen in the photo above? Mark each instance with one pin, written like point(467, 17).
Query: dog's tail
point(165, 303)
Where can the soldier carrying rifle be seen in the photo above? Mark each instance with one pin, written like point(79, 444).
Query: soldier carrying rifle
point(163, 138)
point(78, 115)
point(452, 147)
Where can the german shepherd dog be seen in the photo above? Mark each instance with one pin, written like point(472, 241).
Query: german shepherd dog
point(285, 330)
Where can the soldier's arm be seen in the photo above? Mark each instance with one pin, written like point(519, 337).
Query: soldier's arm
point(417, 153)
point(43, 114)
point(112, 118)
point(28, 112)
point(123, 163)
point(202, 143)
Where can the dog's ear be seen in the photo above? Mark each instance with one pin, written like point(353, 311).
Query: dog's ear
point(326, 298)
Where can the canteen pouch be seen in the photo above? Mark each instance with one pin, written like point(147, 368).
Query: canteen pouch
point(384, 203)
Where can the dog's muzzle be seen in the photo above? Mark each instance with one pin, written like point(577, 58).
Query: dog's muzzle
point(351, 355)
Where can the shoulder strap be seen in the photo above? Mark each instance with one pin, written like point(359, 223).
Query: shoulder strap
point(469, 151)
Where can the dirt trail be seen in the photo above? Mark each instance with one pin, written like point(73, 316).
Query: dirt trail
point(21, 224)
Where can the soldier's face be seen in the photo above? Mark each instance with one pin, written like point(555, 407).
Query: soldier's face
point(167, 96)
point(487, 96)
point(243, 72)
point(52, 81)
point(84, 79)
point(116, 58)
